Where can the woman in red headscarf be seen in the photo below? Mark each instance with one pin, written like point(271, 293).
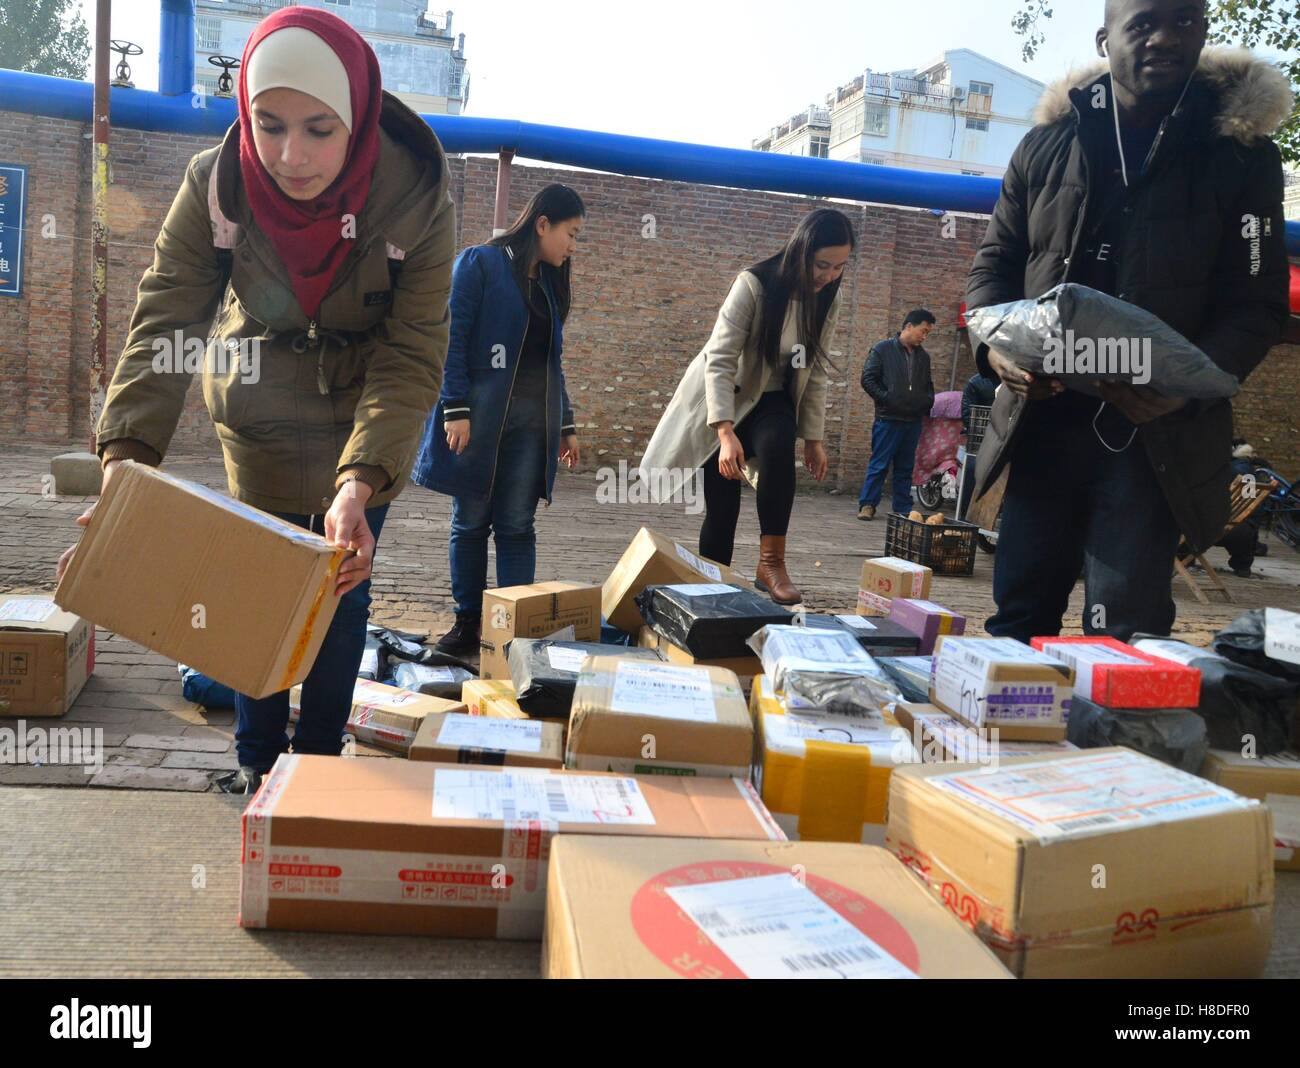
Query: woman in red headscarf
point(314, 248)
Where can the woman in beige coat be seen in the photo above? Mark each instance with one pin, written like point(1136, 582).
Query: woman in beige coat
point(758, 384)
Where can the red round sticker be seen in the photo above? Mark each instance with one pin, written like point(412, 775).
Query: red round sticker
point(672, 936)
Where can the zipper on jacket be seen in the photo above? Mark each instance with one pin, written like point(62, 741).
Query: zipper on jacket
point(314, 338)
point(546, 424)
point(496, 458)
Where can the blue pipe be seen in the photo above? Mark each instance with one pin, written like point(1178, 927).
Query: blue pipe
point(175, 47)
point(641, 157)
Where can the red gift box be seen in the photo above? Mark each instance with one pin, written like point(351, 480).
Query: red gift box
point(1111, 673)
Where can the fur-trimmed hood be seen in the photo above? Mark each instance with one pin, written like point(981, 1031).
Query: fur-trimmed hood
point(1254, 96)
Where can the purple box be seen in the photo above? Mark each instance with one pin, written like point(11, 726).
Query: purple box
point(926, 620)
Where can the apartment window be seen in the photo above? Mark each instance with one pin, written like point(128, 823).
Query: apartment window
point(207, 32)
point(207, 79)
point(981, 88)
point(977, 124)
point(820, 147)
point(876, 118)
point(974, 174)
point(340, 3)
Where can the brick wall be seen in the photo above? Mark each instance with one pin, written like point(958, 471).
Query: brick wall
point(642, 306)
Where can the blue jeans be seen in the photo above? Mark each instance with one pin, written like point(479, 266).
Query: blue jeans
point(1072, 507)
point(507, 514)
point(893, 441)
point(260, 730)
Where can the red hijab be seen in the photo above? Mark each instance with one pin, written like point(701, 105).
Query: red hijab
point(308, 234)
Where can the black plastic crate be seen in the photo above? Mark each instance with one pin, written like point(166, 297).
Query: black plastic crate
point(979, 424)
point(945, 550)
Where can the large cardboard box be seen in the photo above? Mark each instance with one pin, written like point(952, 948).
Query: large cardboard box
point(232, 591)
point(458, 738)
point(1000, 682)
point(745, 667)
point(46, 656)
point(887, 577)
point(563, 610)
point(1101, 864)
point(927, 620)
point(1116, 675)
point(384, 716)
point(941, 738)
point(825, 776)
point(648, 718)
point(678, 909)
point(1273, 779)
point(649, 559)
point(409, 847)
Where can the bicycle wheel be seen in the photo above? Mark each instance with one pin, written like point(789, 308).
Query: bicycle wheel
point(930, 494)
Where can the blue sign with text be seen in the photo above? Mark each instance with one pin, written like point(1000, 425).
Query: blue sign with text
point(13, 206)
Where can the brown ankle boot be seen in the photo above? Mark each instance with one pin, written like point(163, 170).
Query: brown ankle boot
point(772, 577)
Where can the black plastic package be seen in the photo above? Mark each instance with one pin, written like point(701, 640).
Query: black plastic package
point(1176, 736)
point(1240, 705)
point(374, 664)
point(710, 620)
point(398, 645)
point(440, 680)
point(1082, 336)
point(545, 671)
point(1242, 641)
point(911, 673)
point(846, 695)
point(879, 637)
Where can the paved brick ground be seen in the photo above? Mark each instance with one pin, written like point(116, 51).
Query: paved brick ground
point(156, 740)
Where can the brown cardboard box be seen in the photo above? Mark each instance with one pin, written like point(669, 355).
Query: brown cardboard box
point(745, 667)
point(492, 697)
point(940, 738)
point(386, 716)
point(1002, 683)
point(647, 718)
point(409, 847)
point(456, 738)
point(887, 577)
point(1275, 780)
point(651, 558)
point(672, 909)
point(1100, 864)
point(46, 656)
point(232, 591)
point(568, 610)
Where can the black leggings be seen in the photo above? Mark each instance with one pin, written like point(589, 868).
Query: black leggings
point(767, 432)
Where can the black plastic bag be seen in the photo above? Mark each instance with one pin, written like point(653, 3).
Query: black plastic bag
point(1237, 702)
point(435, 680)
point(1176, 736)
point(545, 671)
point(710, 620)
point(1242, 641)
point(846, 695)
point(1069, 318)
point(403, 645)
point(374, 664)
point(878, 636)
point(911, 674)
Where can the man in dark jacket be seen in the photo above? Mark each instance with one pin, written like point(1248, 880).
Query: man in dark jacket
point(1154, 181)
point(897, 377)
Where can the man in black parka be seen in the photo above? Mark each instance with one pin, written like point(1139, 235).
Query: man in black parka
point(1152, 178)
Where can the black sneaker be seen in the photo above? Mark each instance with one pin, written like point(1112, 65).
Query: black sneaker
point(244, 781)
point(462, 639)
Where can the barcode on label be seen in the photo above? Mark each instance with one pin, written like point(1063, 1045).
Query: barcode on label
point(507, 809)
point(753, 929)
point(835, 958)
point(555, 797)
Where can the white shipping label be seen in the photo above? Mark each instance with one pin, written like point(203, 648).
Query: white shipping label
point(930, 606)
point(563, 659)
point(1282, 635)
point(437, 674)
point(1084, 795)
point(702, 566)
point(828, 728)
point(899, 564)
point(856, 622)
point(483, 732)
point(1179, 652)
point(564, 634)
point(774, 927)
point(1286, 819)
point(703, 589)
point(28, 610)
point(537, 794)
point(376, 695)
point(674, 692)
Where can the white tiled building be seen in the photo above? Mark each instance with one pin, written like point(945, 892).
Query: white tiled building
point(961, 113)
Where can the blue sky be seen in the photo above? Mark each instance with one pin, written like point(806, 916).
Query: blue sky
point(708, 71)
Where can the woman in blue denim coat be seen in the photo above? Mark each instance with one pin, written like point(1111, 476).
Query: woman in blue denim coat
point(503, 420)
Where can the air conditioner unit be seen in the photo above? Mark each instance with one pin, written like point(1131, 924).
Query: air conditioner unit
point(959, 94)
